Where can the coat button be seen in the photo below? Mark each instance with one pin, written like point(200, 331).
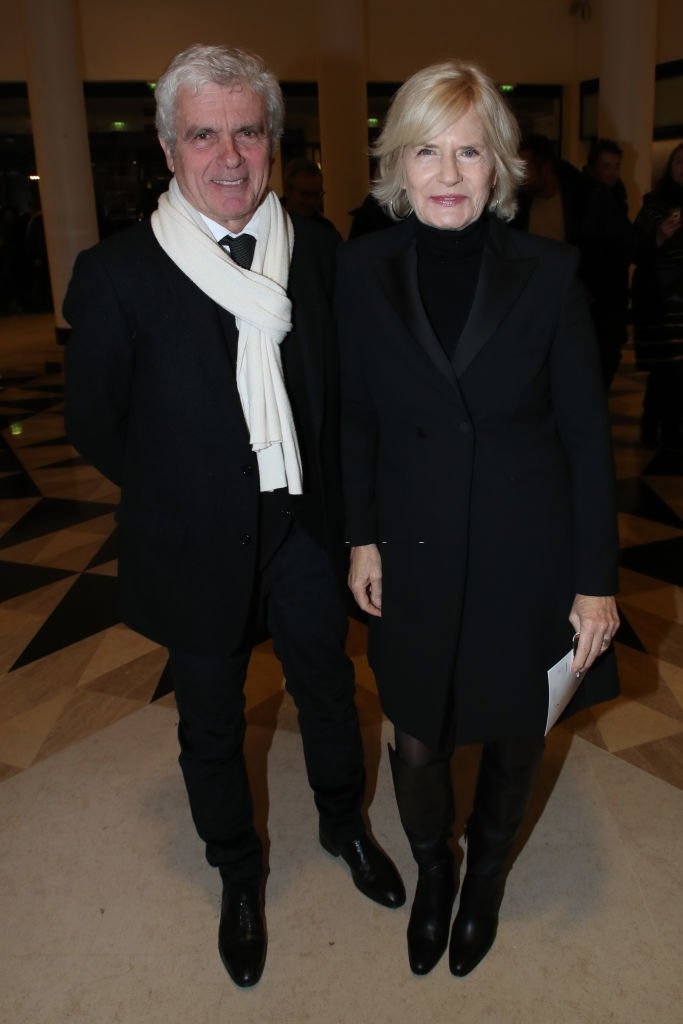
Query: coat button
point(247, 469)
point(465, 428)
point(285, 513)
point(246, 538)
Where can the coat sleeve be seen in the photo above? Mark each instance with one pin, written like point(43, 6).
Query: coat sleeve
point(581, 411)
point(99, 366)
point(359, 429)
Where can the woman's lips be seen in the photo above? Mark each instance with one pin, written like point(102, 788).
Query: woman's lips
point(448, 200)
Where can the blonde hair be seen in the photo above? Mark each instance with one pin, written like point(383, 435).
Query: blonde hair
point(428, 103)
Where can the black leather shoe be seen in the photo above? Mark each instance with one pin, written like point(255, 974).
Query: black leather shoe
point(476, 923)
point(372, 871)
point(242, 934)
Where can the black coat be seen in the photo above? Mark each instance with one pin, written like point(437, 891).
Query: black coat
point(487, 483)
point(658, 284)
point(152, 402)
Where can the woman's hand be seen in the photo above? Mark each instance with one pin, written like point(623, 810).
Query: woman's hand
point(365, 578)
point(669, 226)
point(596, 621)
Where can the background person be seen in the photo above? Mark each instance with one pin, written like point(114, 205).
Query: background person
point(608, 252)
point(304, 193)
point(558, 201)
point(479, 485)
point(658, 306)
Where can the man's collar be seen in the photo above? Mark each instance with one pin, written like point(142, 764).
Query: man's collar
point(218, 231)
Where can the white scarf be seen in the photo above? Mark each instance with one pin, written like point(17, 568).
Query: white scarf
point(258, 300)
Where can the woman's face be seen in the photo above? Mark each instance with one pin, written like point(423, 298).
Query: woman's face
point(448, 178)
point(676, 169)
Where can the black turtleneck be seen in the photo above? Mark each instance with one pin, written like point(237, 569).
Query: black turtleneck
point(448, 265)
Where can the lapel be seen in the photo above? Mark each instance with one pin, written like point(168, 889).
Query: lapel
point(305, 342)
point(398, 276)
point(502, 277)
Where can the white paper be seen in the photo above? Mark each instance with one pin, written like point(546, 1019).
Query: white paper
point(562, 685)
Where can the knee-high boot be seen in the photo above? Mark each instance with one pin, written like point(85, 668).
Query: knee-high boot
point(425, 803)
point(506, 777)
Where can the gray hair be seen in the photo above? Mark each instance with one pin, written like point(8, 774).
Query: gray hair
point(219, 65)
point(426, 105)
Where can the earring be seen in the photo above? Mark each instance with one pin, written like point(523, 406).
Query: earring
point(394, 212)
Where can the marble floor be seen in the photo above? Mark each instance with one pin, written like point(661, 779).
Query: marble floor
point(109, 911)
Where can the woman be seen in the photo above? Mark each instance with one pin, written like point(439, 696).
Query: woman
point(658, 306)
point(479, 485)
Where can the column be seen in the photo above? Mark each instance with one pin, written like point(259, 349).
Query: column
point(627, 88)
point(343, 108)
point(60, 137)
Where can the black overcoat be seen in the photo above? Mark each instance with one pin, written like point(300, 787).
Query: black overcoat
point(152, 402)
point(487, 482)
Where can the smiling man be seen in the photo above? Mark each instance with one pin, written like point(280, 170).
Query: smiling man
point(201, 378)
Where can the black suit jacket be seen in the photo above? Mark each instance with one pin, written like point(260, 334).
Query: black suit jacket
point(487, 481)
point(152, 402)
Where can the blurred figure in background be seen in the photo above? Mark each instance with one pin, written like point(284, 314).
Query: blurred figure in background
point(559, 202)
point(658, 305)
point(303, 190)
point(606, 259)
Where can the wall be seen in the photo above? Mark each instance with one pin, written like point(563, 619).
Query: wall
point(529, 40)
point(525, 41)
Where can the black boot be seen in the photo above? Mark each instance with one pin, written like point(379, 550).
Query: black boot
point(425, 802)
point(506, 777)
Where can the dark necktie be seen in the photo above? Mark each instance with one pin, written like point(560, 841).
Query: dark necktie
point(241, 249)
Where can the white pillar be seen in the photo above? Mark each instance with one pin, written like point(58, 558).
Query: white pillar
point(627, 88)
point(60, 137)
point(343, 108)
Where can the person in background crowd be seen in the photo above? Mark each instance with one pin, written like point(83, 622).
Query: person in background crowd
point(304, 192)
point(608, 254)
point(658, 306)
point(559, 202)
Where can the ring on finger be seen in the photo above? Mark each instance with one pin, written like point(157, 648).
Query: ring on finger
point(606, 641)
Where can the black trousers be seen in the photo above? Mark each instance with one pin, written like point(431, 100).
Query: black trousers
point(307, 621)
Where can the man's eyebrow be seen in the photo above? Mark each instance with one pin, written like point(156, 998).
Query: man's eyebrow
point(254, 126)
point(192, 129)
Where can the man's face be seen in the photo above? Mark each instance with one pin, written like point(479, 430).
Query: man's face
point(539, 175)
point(222, 155)
point(607, 168)
point(304, 194)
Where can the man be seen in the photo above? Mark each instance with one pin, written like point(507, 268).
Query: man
point(604, 165)
point(606, 261)
point(303, 187)
point(207, 391)
point(559, 202)
point(551, 204)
